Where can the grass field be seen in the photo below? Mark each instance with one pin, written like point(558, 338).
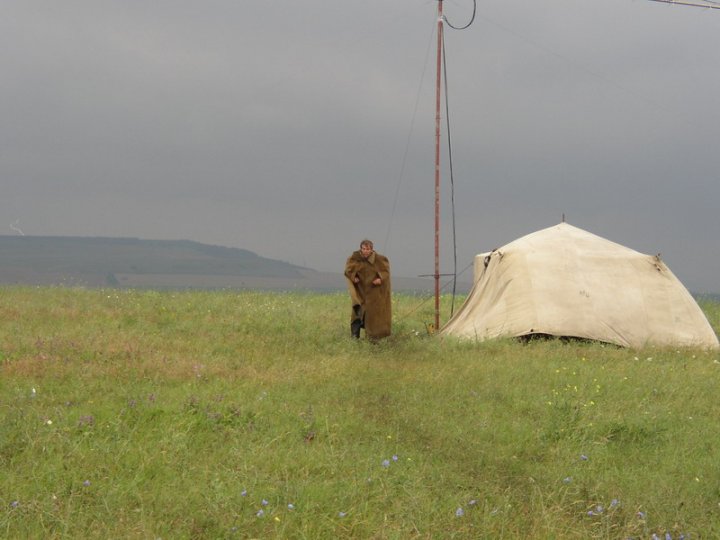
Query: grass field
point(127, 414)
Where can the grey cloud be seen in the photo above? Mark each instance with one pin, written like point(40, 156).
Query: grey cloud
point(288, 128)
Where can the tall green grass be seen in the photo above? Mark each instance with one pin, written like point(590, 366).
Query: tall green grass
point(128, 414)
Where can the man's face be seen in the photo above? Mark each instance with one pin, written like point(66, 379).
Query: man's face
point(366, 250)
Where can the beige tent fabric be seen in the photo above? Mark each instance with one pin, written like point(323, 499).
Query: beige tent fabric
point(565, 281)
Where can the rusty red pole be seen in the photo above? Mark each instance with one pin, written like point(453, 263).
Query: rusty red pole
point(437, 164)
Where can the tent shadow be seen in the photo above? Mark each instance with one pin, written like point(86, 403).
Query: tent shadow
point(566, 340)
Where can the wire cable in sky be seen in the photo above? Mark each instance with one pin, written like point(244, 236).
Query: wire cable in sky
point(472, 19)
point(452, 178)
point(707, 4)
point(407, 145)
point(450, 158)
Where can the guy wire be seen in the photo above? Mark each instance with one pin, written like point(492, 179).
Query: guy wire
point(407, 144)
point(450, 160)
point(452, 180)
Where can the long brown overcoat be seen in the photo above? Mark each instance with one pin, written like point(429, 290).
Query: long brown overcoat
point(374, 300)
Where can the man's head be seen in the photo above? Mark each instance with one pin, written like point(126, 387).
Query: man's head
point(366, 248)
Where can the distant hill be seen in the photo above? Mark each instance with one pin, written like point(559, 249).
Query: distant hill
point(158, 264)
point(128, 261)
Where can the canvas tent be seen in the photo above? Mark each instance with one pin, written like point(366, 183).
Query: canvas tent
point(564, 281)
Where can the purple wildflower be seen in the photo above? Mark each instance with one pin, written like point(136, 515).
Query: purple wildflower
point(86, 483)
point(264, 502)
point(583, 457)
point(668, 536)
point(260, 513)
point(386, 463)
point(395, 458)
point(87, 420)
point(243, 493)
point(459, 512)
point(472, 502)
point(14, 504)
point(342, 514)
point(614, 503)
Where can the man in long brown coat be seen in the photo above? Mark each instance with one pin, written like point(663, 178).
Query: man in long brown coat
point(368, 277)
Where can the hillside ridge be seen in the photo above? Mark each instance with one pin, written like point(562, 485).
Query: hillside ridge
point(159, 264)
point(107, 261)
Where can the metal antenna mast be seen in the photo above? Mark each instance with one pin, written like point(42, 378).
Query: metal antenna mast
point(438, 89)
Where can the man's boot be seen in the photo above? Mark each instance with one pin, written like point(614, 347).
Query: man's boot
point(355, 328)
point(356, 324)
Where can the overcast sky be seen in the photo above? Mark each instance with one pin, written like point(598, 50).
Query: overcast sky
point(295, 129)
